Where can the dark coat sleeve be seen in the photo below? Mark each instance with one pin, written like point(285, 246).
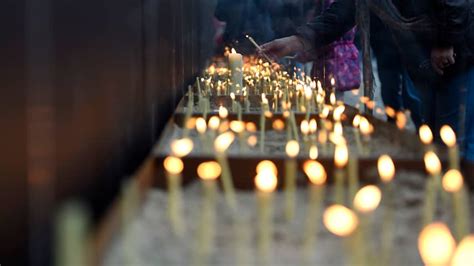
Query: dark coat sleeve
point(332, 24)
point(452, 18)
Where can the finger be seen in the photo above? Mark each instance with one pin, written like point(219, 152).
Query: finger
point(451, 60)
point(437, 69)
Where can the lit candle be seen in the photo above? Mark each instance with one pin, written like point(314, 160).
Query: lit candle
point(449, 138)
point(234, 107)
point(208, 172)
point(304, 127)
point(453, 182)
point(340, 220)
point(341, 157)
point(236, 63)
point(239, 128)
point(433, 167)
point(356, 124)
point(181, 147)
point(213, 125)
point(174, 167)
point(201, 128)
point(292, 150)
point(266, 183)
point(464, 254)
point(317, 177)
point(426, 137)
point(366, 129)
point(436, 244)
point(221, 144)
point(264, 108)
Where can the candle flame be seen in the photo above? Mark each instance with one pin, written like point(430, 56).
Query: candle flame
point(304, 127)
point(332, 98)
point(237, 126)
point(367, 199)
point(252, 141)
point(432, 163)
point(390, 112)
point(209, 170)
point(365, 127)
point(292, 148)
point(223, 141)
point(333, 82)
point(173, 165)
point(448, 136)
point(278, 125)
point(214, 123)
point(223, 112)
point(386, 168)
point(232, 96)
point(325, 112)
point(313, 126)
point(426, 136)
point(401, 120)
point(308, 92)
point(337, 114)
point(356, 121)
point(464, 254)
point(315, 172)
point(233, 51)
point(338, 130)
point(266, 182)
point(267, 166)
point(251, 127)
point(340, 220)
point(201, 125)
point(436, 244)
point(453, 181)
point(181, 147)
point(341, 156)
point(313, 152)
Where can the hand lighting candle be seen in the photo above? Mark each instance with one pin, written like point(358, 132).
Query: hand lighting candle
point(292, 150)
point(174, 167)
point(449, 138)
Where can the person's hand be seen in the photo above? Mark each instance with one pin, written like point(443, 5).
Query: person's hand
point(442, 58)
point(283, 47)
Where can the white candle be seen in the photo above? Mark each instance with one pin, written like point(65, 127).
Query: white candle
point(236, 63)
point(221, 144)
point(174, 166)
point(341, 157)
point(292, 150)
point(433, 166)
point(453, 182)
point(449, 138)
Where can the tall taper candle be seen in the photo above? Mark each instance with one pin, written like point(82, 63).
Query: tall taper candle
point(174, 166)
point(292, 150)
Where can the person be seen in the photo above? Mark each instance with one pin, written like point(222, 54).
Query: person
point(435, 39)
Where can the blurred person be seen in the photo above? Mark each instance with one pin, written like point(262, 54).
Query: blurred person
point(435, 39)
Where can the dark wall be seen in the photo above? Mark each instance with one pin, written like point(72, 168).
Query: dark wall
point(86, 89)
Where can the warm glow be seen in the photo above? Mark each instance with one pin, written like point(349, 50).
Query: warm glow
point(214, 123)
point(223, 141)
point(267, 166)
point(181, 147)
point(325, 112)
point(333, 82)
point(338, 130)
point(464, 255)
point(264, 99)
point(237, 126)
point(251, 127)
point(223, 112)
point(313, 126)
point(292, 148)
point(233, 51)
point(390, 112)
point(278, 125)
point(308, 93)
point(386, 168)
point(453, 181)
point(315, 172)
point(313, 152)
point(337, 114)
point(432, 163)
point(356, 121)
point(341, 156)
point(252, 141)
point(201, 125)
point(436, 244)
point(401, 120)
point(340, 220)
point(266, 182)
point(426, 136)
point(224, 126)
point(365, 127)
point(304, 127)
point(448, 136)
point(332, 98)
point(209, 170)
point(173, 165)
point(191, 123)
point(232, 96)
point(367, 199)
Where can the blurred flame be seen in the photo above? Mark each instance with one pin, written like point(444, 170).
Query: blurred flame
point(278, 125)
point(332, 98)
point(214, 123)
point(436, 244)
point(292, 148)
point(267, 166)
point(365, 127)
point(313, 152)
point(341, 156)
point(340, 220)
point(209, 170)
point(453, 181)
point(266, 182)
point(251, 127)
point(401, 120)
point(223, 141)
point(390, 112)
point(232, 96)
point(181, 147)
point(313, 126)
point(356, 121)
point(252, 141)
point(367, 199)
point(386, 168)
point(426, 136)
point(173, 165)
point(237, 126)
point(201, 125)
point(464, 255)
point(448, 136)
point(223, 112)
point(304, 127)
point(432, 163)
point(337, 114)
point(338, 130)
point(315, 172)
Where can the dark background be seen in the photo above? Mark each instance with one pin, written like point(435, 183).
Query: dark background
point(85, 89)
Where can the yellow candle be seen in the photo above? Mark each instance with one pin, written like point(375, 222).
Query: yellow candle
point(221, 144)
point(174, 166)
point(433, 166)
point(453, 182)
point(266, 183)
point(436, 244)
point(236, 63)
point(317, 177)
point(449, 138)
point(292, 150)
point(341, 157)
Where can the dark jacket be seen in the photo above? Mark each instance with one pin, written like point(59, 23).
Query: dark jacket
point(446, 23)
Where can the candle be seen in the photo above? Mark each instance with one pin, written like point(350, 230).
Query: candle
point(264, 107)
point(356, 124)
point(317, 176)
point(366, 129)
point(239, 128)
point(213, 125)
point(436, 244)
point(313, 152)
point(433, 167)
point(181, 147)
point(234, 107)
point(292, 150)
point(236, 63)
point(208, 172)
point(201, 128)
point(426, 137)
point(341, 157)
point(340, 220)
point(464, 254)
point(266, 183)
point(449, 138)
point(453, 183)
point(221, 144)
point(174, 166)
point(353, 174)
point(308, 94)
point(304, 128)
